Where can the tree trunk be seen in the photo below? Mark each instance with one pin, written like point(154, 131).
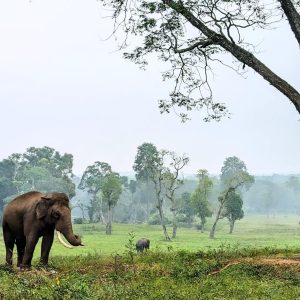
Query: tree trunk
point(238, 52)
point(162, 221)
point(213, 229)
point(231, 224)
point(147, 202)
point(202, 225)
point(82, 211)
point(292, 16)
point(101, 214)
point(91, 214)
point(109, 221)
point(174, 224)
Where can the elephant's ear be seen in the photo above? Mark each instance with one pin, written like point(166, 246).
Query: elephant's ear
point(41, 208)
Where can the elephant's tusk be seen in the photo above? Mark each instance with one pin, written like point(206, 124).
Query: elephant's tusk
point(62, 241)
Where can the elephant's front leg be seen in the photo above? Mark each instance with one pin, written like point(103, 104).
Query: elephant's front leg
point(46, 246)
point(31, 241)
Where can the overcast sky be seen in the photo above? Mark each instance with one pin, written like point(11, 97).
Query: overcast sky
point(63, 86)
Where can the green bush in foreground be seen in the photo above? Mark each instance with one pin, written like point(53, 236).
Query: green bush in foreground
point(225, 273)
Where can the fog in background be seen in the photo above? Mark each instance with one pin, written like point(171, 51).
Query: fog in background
point(64, 86)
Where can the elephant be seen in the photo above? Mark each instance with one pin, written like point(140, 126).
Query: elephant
point(33, 215)
point(142, 244)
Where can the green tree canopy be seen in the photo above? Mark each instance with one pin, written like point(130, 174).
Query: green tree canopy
point(92, 182)
point(234, 179)
point(111, 191)
point(42, 169)
point(233, 209)
point(200, 197)
point(146, 162)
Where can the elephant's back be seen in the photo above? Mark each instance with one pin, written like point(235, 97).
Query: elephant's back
point(21, 204)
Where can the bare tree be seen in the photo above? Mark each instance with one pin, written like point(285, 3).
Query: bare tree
point(172, 182)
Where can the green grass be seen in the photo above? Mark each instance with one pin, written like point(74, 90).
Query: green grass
point(156, 275)
point(181, 269)
point(251, 232)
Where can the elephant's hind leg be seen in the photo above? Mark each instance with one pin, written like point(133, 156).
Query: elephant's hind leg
point(9, 241)
point(21, 243)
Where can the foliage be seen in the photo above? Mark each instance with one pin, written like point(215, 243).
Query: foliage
point(233, 208)
point(43, 169)
point(191, 38)
point(200, 196)
point(234, 178)
point(155, 219)
point(234, 174)
point(7, 187)
point(92, 178)
point(92, 181)
point(171, 182)
point(111, 189)
point(146, 162)
point(185, 208)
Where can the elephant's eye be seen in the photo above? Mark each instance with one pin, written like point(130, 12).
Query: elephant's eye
point(56, 214)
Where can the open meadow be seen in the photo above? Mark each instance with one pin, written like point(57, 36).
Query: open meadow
point(258, 261)
point(253, 231)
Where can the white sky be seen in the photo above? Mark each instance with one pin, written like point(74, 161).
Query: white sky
point(62, 86)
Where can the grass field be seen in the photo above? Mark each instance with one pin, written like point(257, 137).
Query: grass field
point(258, 261)
point(252, 232)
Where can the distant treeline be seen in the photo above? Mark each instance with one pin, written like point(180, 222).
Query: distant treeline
point(155, 193)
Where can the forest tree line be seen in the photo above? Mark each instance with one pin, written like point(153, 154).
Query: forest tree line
point(155, 193)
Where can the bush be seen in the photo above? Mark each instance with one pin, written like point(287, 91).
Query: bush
point(78, 221)
point(154, 219)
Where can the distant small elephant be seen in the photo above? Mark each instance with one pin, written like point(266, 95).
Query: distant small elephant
point(142, 244)
point(31, 216)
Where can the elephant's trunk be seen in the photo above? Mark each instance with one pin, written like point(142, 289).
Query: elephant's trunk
point(73, 239)
point(64, 226)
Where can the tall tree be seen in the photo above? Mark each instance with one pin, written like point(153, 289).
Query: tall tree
point(92, 181)
point(145, 165)
point(234, 178)
point(185, 207)
point(158, 177)
point(192, 36)
point(233, 209)
point(134, 204)
point(111, 191)
point(200, 197)
point(172, 182)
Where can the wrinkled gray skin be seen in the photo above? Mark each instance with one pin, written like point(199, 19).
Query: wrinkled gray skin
point(142, 244)
point(31, 216)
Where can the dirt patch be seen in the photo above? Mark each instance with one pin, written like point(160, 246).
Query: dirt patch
point(278, 261)
point(262, 261)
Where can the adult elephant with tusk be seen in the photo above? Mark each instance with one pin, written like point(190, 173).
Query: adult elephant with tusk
point(31, 216)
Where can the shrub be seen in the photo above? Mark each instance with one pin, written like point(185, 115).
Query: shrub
point(154, 219)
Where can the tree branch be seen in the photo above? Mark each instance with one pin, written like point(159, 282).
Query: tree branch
point(239, 53)
point(293, 17)
point(201, 44)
